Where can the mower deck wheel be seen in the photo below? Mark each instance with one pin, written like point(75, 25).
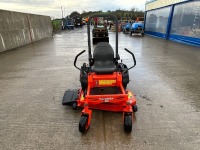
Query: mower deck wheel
point(83, 123)
point(128, 123)
point(135, 108)
point(74, 106)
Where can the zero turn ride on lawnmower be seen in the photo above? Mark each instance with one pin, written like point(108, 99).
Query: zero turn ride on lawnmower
point(103, 83)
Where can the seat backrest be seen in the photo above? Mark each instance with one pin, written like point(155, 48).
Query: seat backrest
point(103, 52)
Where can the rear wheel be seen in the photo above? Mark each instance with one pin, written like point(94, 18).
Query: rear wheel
point(83, 76)
point(124, 85)
point(131, 33)
point(84, 67)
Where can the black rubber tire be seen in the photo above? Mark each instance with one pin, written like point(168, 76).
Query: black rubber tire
point(74, 106)
point(83, 123)
point(128, 123)
point(131, 34)
point(142, 34)
point(135, 108)
point(84, 67)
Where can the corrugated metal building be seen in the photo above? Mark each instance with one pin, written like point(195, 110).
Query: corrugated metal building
point(177, 20)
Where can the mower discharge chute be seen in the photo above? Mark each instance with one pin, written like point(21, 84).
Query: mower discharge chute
point(103, 83)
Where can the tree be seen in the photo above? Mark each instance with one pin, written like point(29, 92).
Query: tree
point(132, 13)
point(133, 9)
point(74, 13)
point(118, 16)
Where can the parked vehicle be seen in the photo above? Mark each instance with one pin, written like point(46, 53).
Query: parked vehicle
point(122, 23)
point(100, 33)
point(137, 28)
point(127, 27)
point(78, 21)
point(140, 19)
point(84, 21)
point(67, 23)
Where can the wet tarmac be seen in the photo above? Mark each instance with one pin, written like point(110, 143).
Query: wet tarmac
point(166, 82)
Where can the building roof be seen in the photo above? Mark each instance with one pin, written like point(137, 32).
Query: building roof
point(153, 4)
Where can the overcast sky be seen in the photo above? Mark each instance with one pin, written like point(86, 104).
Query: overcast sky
point(53, 7)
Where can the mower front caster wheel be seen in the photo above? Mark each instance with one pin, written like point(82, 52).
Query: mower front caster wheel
point(83, 124)
point(74, 106)
point(135, 108)
point(128, 123)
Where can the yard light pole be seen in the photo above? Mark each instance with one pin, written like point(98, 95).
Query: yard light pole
point(62, 11)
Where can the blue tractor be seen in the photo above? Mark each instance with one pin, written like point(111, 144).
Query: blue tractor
point(137, 28)
point(127, 27)
point(67, 23)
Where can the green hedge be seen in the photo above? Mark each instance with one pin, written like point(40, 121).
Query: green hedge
point(56, 24)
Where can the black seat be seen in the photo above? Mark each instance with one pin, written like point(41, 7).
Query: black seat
point(104, 58)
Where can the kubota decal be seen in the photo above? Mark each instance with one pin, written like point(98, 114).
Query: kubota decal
point(106, 82)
